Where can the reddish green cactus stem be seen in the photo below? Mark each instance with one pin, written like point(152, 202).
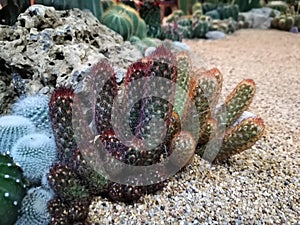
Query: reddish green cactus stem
point(241, 137)
point(184, 66)
point(183, 147)
point(208, 131)
point(60, 106)
point(237, 102)
point(66, 183)
point(203, 91)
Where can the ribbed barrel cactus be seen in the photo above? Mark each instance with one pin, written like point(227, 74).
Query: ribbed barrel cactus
point(102, 135)
point(12, 190)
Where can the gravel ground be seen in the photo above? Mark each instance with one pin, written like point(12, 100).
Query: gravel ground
point(259, 186)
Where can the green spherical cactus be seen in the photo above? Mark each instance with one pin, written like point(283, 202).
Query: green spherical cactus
point(12, 190)
point(35, 153)
point(200, 29)
point(12, 128)
point(34, 208)
point(36, 109)
point(138, 24)
point(214, 14)
point(141, 29)
point(119, 21)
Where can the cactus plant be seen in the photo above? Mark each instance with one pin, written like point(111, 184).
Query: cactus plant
point(119, 22)
point(12, 190)
point(200, 28)
point(110, 115)
point(12, 128)
point(138, 24)
point(150, 13)
point(34, 209)
point(35, 153)
point(36, 109)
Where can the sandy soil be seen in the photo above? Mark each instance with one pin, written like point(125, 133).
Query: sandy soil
point(259, 186)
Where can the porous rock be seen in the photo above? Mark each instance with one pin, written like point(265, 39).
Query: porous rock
point(49, 48)
point(258, 18)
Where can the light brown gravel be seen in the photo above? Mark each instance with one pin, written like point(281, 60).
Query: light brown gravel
point(259, 186)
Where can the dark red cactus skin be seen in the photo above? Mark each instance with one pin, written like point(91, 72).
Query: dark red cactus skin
point(65, 213)
point(74, 178)
point(60, 106)
point(66, 183)
point(103, 82)
point(135, 187)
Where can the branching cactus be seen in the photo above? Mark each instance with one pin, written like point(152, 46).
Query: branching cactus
point(162, 114)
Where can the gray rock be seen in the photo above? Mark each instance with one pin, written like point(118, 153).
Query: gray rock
point(149, 51)
point(215, 35)
point(180, 46)
point(258, 18)
point(50, 48)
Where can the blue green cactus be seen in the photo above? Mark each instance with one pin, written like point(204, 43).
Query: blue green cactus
point(35, 153)
point(36, 109)
point(34, 209)
point(12, 190)
point(13, 127)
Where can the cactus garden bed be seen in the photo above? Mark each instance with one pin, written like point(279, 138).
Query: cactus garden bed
point(120, 133)
point(259, 186)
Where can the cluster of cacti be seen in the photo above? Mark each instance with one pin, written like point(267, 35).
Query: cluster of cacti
point(12, 190)
point(150, 12)
point(224, 12)
point(179, 27)
point(221, 18)
point(288, 20)
point(125, 21)
point(226, 26)
point(162, 88)
point(27, 135)
point(174, 32)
